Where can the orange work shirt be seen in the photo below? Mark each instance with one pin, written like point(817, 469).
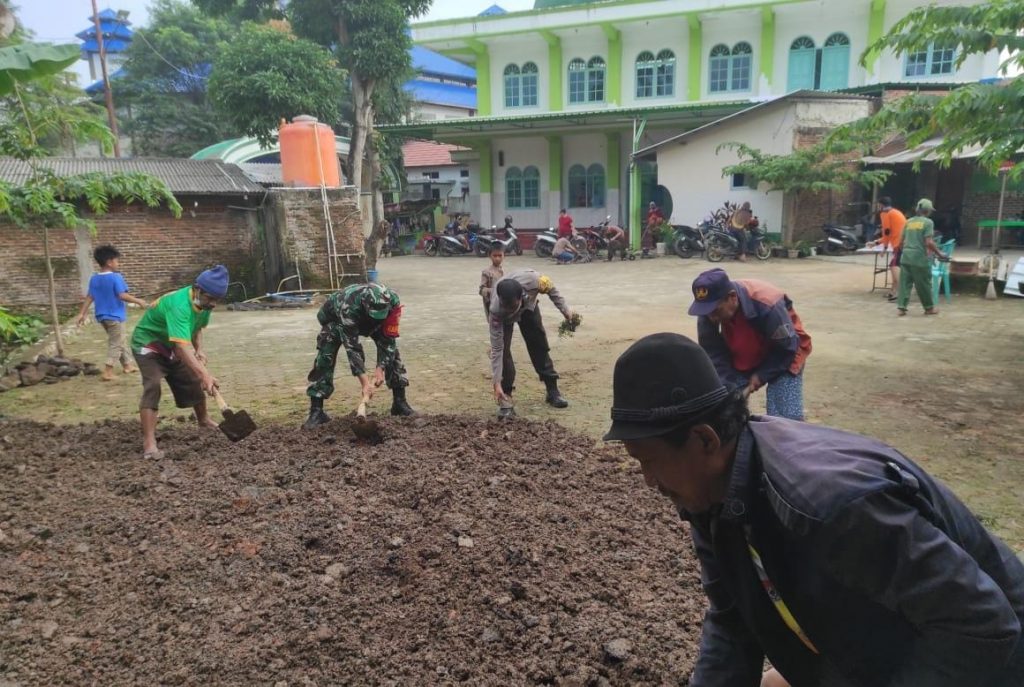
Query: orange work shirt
point(893, 222)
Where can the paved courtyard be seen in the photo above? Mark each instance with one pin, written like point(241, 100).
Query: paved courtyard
point(946, 390)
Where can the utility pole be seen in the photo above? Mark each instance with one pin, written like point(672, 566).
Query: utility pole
point(108, 95)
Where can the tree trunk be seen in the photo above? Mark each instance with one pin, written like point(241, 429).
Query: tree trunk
point(53, 293)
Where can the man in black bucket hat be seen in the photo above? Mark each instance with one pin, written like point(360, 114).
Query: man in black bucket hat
point(831, 554)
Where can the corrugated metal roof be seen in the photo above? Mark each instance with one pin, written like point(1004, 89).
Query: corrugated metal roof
point(795, 95)
point(442, 93)
point(430, 62)
point(263, 173)
point(182, 176)
point(428, 154)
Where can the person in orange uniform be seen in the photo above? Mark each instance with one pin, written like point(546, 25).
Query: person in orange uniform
point(892, 221)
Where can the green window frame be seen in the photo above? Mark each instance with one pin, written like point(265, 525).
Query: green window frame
point(718, 69)
point(529, 84)
point(645, 66)
point(803, 65)
point(665, 74)
point(595, 80)
point(834, 65)
point(513, 188)
point(512, 86)
point(935, 60)
point(577, 81)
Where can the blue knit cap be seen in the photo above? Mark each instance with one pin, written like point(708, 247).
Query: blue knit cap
point(214, 281)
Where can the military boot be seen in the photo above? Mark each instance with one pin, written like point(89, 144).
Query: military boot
point(400, 406)
point(317, 416)
point(554, 396)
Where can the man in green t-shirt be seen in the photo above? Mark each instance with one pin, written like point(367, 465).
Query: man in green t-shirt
point(167, 344)
point(915, 266)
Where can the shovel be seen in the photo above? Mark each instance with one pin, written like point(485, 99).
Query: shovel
point(237, 425)
point(366, 430)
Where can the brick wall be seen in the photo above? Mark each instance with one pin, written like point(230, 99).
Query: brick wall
point(979, 206)
point(159, 251)
point(815, 209)
point(295, 221)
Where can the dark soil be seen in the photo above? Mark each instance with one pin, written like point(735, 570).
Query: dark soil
point(459, 550)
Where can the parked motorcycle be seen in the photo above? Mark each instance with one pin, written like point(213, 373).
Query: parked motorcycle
point(688, 240)
point(721, 244)
point(595, 238)
point(447, 245)
point(839, 239)
point(510, 243)
point(544, 244)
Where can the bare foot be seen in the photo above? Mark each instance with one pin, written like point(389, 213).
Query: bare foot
point(901, 312)
point(931, 311)
point(129, 369)
point(207, 423)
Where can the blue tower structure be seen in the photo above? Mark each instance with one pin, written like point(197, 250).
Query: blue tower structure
point(117, 36)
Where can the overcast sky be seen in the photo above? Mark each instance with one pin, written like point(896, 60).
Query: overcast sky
point(57, 21)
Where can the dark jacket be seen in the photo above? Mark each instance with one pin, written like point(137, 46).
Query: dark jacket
point(770, 312)
point(889, 576)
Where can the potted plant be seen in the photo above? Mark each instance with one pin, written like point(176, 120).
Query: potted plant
point(803, 248)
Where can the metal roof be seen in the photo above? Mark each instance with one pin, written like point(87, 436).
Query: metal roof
point(455, 95)
point(182, 176)
point(765, 104)
point(427, 61)
point(678, 115)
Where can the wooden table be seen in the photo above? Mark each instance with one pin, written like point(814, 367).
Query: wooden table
point(990, 224)
point(882, 252)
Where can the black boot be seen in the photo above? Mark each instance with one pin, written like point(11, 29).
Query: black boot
point(317, 416)
point(554, 397)
point(400, 406)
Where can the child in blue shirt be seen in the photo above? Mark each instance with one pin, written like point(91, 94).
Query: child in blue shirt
point(109, 291)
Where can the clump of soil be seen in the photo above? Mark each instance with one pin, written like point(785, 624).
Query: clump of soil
point(459, 550)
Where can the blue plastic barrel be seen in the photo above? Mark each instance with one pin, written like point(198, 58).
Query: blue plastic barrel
point(371, 275)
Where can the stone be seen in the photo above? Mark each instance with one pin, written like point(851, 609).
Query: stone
point(11, 381)
point(324, 633)
point(396, 542)
point(30, 376)
point(618, 650)
point(490, 635)
point(48, 629)
point(465, 542)
point(338, 570)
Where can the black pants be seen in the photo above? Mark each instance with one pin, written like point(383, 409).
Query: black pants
point(532, 329)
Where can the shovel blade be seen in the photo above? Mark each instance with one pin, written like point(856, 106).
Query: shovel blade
point(237, 425)
point(367, 430)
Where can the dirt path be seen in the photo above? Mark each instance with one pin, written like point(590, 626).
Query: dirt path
point(946, 391)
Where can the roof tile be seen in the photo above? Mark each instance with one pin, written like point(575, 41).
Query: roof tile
point(429, 154)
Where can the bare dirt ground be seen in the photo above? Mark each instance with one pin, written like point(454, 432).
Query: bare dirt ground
point(299, 558)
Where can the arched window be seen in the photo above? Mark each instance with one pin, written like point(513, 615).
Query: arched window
point(512, 86)
point(529, 84)
point(803, 60)
point(577, 81)
point(730, 69)
point(586, 186)
point(835, 63)
point(531, 187)
point(645, 74)
point(513, 188)
point(665, 76)
point(595, 80)
point(718, 78)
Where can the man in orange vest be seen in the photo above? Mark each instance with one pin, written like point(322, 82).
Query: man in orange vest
point(892, 221)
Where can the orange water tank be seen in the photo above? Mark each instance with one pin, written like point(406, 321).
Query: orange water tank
point(308, 157)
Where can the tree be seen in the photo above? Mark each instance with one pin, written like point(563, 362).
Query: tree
point(373, 45)
point(989, 115)
point(266, 73)
point(45, 199)
point(813, 169)
point(164, 81)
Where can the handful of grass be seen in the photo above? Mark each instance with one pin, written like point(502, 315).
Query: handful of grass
point(567, 327)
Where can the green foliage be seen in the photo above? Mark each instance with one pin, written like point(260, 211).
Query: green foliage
point(988, 115)
point(60, 117)
point(24, 62)
point(265, 74)
point(165, 81)
point(18, 330)
point(816, 168)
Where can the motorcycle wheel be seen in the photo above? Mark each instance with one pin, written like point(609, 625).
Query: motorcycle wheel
point(763, 252)
point(542, 250)
point(580, 244)
point(482, 249)
point(517, 249)
point(682, 248)
point(715, 252)
point(831, 248)
point(430, 249)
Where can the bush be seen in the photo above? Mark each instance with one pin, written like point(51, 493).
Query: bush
point(17, 331)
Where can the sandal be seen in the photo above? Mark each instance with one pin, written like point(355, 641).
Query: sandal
point(901, 312)
point(932, 311)
point(155, 454)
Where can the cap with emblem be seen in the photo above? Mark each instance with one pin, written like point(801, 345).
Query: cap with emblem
point(709, 288)
point(660, 383)
point(379, 301)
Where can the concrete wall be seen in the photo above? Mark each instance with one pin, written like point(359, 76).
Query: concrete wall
point(431, 111)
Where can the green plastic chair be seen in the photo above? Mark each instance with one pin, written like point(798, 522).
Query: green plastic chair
point(940, 271)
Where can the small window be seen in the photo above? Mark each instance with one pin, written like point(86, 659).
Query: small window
point(586, 186)
point(729, 70)
point(432, 175)
point(931, 61)
point(665, 68)
point(513, 188)
point(718, 78)
point(529, 84)
point(512, 86)
point(645, 75)
point(595, 80)
point(739, 181)
point(464, 173)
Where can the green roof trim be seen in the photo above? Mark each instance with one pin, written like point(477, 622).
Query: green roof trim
point(879, 88)
point(606, 116)
point(214, 151)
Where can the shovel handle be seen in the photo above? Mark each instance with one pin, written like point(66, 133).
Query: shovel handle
point(361, 408)
point(221, 403)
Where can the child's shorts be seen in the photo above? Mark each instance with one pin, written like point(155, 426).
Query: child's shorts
point(185, 386)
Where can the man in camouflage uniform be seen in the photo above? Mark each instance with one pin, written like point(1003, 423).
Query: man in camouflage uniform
point(371, 310)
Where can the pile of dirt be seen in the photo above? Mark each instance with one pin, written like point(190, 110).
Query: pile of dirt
point(459, 550)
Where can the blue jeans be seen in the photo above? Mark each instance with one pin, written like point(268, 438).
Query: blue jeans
point(785, 396)
point(565, 257)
